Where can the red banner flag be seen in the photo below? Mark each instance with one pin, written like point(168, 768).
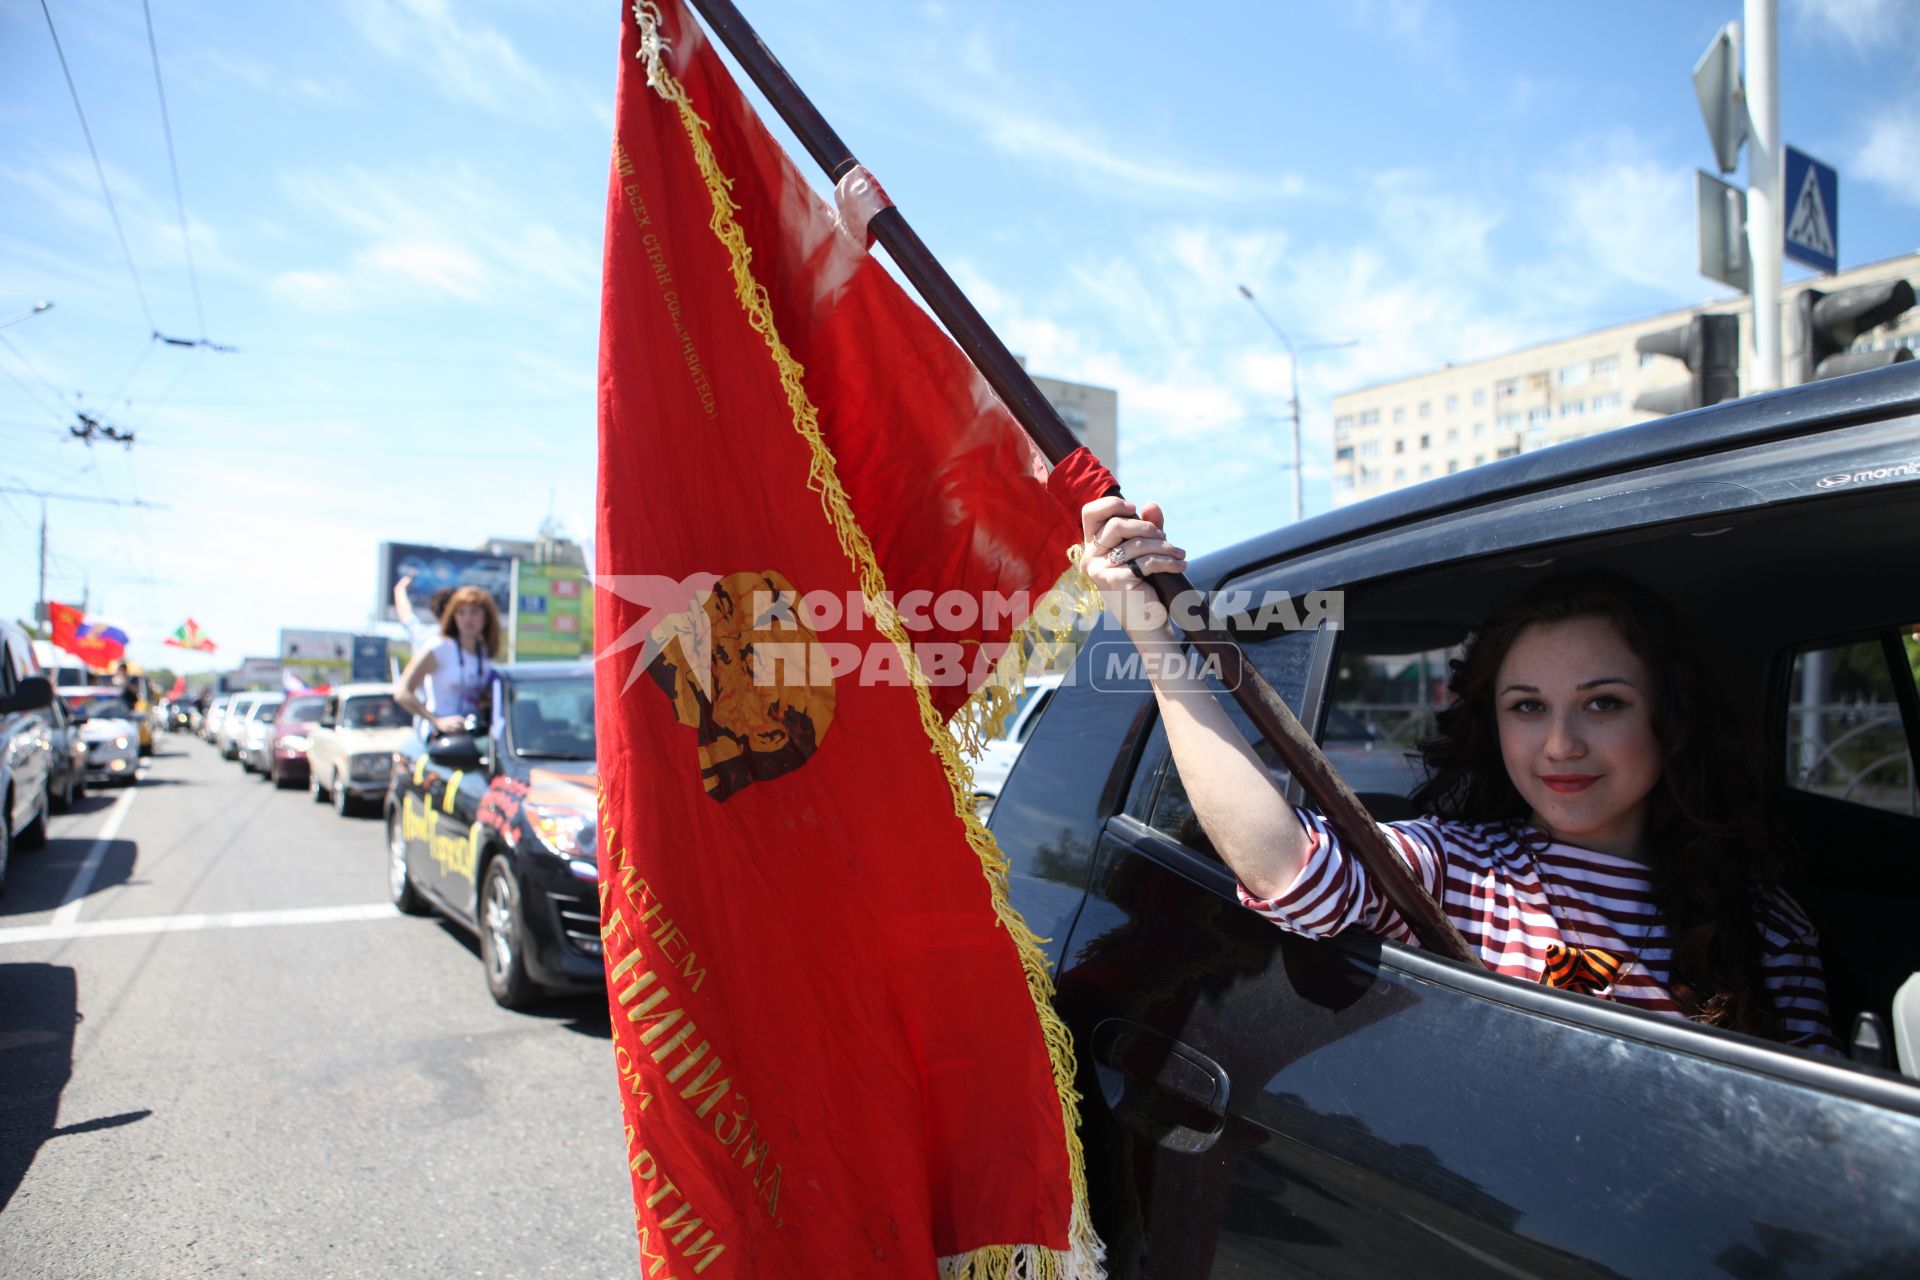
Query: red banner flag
point(818, 529)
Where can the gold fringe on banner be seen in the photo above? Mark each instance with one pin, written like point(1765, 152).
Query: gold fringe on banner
point(1082, 1259)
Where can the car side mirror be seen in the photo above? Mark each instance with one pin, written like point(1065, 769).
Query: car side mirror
point(455, 750)
point(34, 693)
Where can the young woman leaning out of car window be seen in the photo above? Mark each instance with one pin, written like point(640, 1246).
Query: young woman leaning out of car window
point(460, 664)
point(1594, 819)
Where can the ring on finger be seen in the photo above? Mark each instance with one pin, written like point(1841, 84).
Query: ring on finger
point(1138, 572)
point(1117, 556)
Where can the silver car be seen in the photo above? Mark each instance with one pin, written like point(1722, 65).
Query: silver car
point(109, 730)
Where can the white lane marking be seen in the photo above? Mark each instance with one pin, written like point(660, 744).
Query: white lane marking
point(83, 879)
point(61, 931)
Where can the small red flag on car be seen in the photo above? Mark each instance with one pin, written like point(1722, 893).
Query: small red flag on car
point(817, 531)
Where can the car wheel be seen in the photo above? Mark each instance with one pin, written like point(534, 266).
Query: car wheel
point(342, 799)
point(35, 833)
point(315, 791)
point(399, 884)
point(502, 937)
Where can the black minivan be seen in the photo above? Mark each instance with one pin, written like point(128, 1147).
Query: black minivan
point(1260, 1104)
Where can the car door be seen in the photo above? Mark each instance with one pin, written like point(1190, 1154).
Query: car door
point(323, 747)
point(440, 817)
point(28, 741)
point(1258, 1104)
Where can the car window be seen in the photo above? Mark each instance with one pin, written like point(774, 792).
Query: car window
point(1285, 658)
point(552, 719)
point(108, 706)
point(265, 710)
point(374, 711)
point(1031, 718)
point(306, 711)
point(1846, 732)
point(1382, 705)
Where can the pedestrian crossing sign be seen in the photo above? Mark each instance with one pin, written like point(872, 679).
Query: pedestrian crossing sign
point(1812, 197)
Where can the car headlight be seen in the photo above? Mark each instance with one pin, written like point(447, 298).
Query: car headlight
point(121, 742)
point(565, 831)
point(369, 767)
point(294, 742)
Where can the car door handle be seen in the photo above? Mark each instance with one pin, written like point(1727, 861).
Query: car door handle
point(1162, 1089)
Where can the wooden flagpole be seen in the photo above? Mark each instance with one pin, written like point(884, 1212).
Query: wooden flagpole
point(1262, 703)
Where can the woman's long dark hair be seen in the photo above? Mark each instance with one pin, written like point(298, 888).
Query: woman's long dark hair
point(1710, 841)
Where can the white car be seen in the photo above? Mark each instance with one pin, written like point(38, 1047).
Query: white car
point(215, 717)
point(997, 756)
point(350, 752)
point(108, 729)
point(234, 723)
point(254, 738)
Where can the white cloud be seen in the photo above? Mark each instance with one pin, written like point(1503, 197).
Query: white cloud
point(313, 290)
point(447, 268)
point(1020, 132)
point(450, 230)
point(1623, 217)
point(1003, 109)
point(1864, 25)
point(1890, 153)
point(465, 59)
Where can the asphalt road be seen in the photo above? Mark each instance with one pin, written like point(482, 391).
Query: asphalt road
point(229, 1056)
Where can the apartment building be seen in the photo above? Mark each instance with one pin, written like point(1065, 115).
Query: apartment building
point(1091, 413)
point(1413, 429)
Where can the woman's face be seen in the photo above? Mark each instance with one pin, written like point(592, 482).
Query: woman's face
point(471, 619)
point(1575, 708)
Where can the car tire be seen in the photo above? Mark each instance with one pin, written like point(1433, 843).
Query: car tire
point(316, 792)
point(406, 899)
point(342, 798)
point(34, 834)
point(503, 939)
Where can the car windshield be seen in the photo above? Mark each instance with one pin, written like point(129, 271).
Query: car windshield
point(264, 710)
point(100, 706)
point(553, 719)
point(305, 710)
point(376, 711)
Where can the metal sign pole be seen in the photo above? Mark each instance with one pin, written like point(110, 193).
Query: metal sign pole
point(1765, 225)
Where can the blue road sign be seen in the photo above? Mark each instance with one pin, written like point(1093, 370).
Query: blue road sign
point(1812, 196)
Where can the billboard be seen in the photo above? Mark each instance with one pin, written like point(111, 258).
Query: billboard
point(258, 673)
point(317, 657)
point(370, 658)
point(552, 612)
point(436, 567)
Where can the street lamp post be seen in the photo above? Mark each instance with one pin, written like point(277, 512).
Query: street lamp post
point(1293, 378)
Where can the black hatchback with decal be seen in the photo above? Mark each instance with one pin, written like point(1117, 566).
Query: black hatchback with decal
point(496, 831)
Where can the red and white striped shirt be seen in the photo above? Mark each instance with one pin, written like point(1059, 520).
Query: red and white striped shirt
point(1594, 927)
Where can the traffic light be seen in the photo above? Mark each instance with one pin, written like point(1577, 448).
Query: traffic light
point(1710, 348)
point(1829, 323)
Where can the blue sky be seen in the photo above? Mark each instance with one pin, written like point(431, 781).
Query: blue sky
point(395, 208)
